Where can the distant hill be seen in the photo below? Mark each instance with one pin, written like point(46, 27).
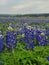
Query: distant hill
point(24, 15)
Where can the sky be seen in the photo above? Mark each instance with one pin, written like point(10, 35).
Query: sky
point(24, 6)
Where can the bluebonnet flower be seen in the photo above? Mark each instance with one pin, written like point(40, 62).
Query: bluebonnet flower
point(30, 45)
point(25, 34)
point(47, 31)
point(41, 39)
point(28, 37)
point(47, 58)
point(26, 40)
point(19, 32)
point(10, 38)
point(1, 62)
point(1, 42)
point(47, 34)
point(37, 34)
point(40, 35)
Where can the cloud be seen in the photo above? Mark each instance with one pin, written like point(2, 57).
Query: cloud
point(2, 2)
point(24, 6)
point(34, 6)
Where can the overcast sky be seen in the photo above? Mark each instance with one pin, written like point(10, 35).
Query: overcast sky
point(24, 6)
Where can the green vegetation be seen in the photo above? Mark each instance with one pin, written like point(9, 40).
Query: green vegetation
point(24, 15)
point(21, 56)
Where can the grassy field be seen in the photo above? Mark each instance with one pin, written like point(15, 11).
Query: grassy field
point(21, 56)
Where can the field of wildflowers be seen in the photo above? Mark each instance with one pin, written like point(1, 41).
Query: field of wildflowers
point(24, 43)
